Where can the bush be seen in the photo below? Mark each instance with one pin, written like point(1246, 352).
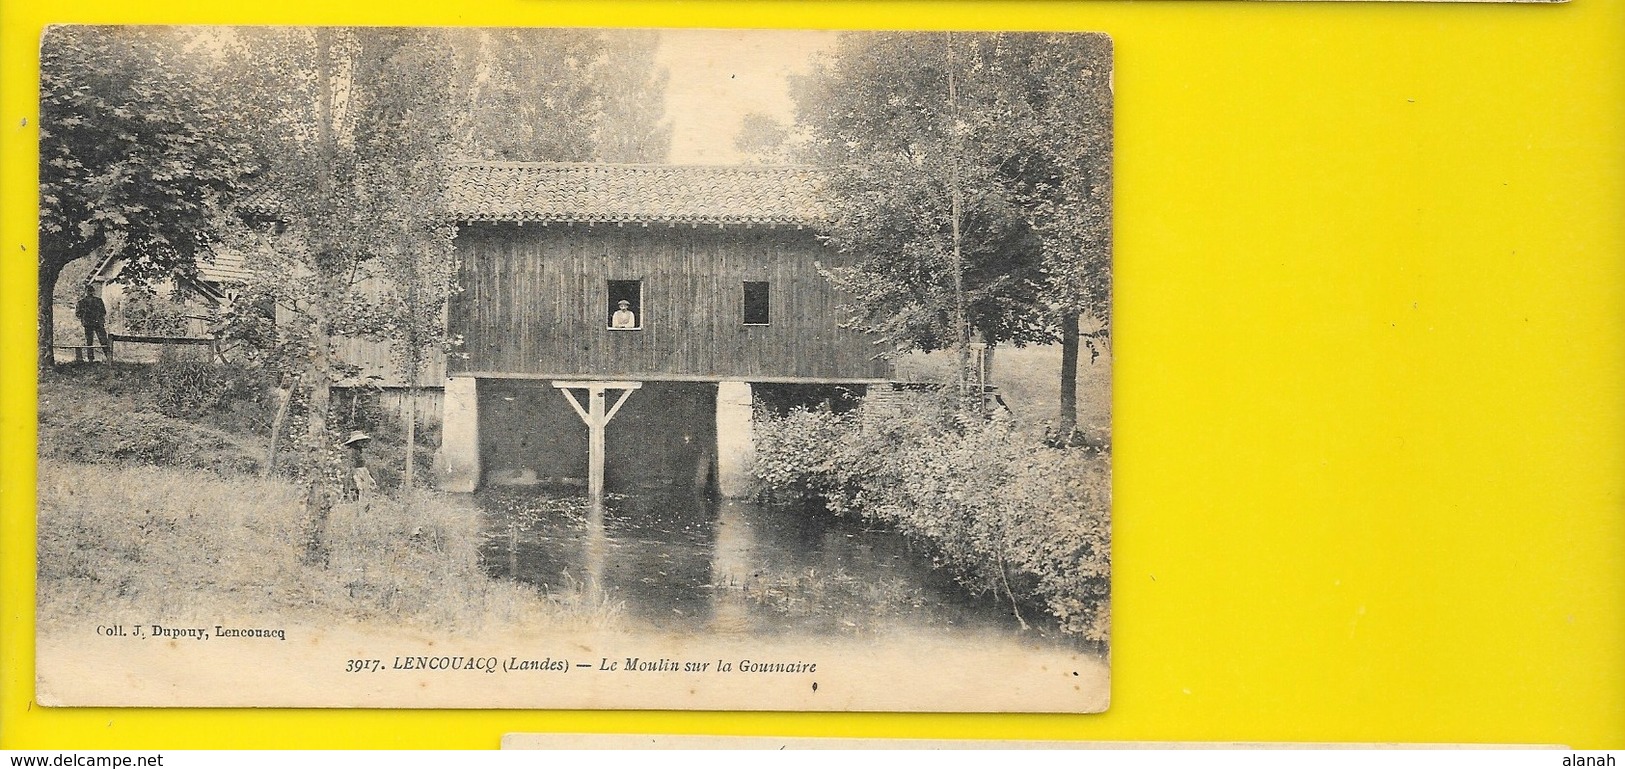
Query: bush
point(197, 388)
point(793, 453)
point(144, 311)
point(994, 503)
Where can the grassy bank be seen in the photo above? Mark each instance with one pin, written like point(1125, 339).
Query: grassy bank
point(152, 505)
point(171, 544)
point(192, 414)
point(100, 414)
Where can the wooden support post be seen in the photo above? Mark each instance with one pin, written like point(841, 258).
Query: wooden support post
point(597, 418)
point(595, 443)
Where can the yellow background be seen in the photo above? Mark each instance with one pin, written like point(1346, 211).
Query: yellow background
point(1370, 386)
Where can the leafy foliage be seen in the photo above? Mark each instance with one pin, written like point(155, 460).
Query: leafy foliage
point(764, 139)
point(1059, 165)
point(145, 311)
point(198, 388)
point(562, 95)
point(999, 507)
point(526, 94)
point(631, 128)
point(130, 163)
point(905, 119)
point(971, 176)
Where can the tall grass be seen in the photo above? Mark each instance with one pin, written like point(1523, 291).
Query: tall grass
point(157, 544)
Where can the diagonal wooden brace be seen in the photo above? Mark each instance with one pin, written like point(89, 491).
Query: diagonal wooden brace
point(597, 419)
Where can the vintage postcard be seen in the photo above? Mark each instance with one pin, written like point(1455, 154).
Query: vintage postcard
point(574, 368)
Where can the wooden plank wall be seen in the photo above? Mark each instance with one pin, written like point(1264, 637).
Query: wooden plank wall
point(430, 404)
point(376, 358)
point(534, 301)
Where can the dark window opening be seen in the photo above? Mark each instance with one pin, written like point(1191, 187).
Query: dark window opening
point(756, 303)
point(780, 399)
point(625, 310)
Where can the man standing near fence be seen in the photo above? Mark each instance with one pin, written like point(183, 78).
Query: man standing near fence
point(92, 314)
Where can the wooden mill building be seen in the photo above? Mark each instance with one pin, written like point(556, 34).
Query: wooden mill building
point(678, 294)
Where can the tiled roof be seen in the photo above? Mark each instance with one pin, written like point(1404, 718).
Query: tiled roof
point(598, 192)
point(261, 199)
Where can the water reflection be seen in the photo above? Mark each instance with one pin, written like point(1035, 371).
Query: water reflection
point(683, 563)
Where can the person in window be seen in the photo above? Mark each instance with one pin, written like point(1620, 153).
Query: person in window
point(623, 317)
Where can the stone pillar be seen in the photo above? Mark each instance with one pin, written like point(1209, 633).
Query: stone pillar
point(458, 462)
point(736, 446)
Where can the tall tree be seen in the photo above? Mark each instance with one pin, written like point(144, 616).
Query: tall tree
point(970, 173)
point(942, 247)
point(404, 138)
point(129, 162)
point(1061, 172)
point(350, 125)
point(559, 95)
point(632, 128)
point(527, 94)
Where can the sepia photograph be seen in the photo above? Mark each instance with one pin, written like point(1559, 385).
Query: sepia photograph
point(574, 368)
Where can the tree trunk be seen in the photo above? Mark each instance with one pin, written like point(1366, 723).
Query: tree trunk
point(1069, 376)
point(414, 361)
point(1015, 608)
point(319, 491)
point(49, 271)
point(321, 464)
point(284, 396)
point(409, 476)
point(961, 330)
